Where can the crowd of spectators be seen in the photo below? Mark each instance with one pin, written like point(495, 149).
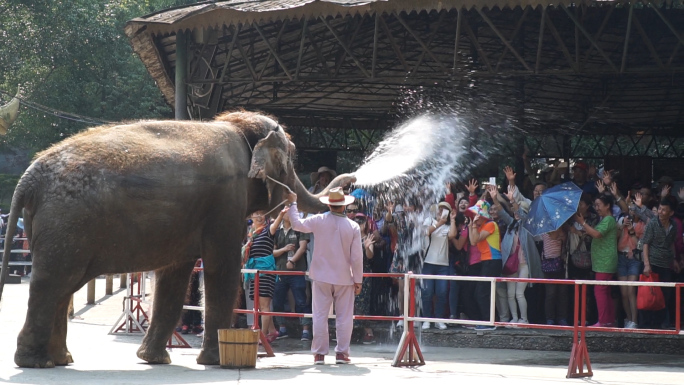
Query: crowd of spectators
point(618, 233)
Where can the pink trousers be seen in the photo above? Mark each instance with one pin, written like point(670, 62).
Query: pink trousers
point(604, 301)
point(322, 296)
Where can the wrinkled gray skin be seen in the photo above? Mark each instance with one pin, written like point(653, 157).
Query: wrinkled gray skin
point(147, 196)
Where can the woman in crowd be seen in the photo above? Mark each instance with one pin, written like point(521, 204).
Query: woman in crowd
point(579, 248)
point(553, 266)
point(440, 231)
point(629, 264)
point(362, 301)
point(517, 243)
point(604, 257)
point(458, 264)
point(258, 254)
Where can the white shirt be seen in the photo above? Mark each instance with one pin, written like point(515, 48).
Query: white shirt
point(438, 251)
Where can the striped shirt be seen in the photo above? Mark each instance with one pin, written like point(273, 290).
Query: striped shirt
point(262, 244)
point(552, 247)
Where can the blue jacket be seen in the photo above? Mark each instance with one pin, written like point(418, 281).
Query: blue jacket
point(526, 241)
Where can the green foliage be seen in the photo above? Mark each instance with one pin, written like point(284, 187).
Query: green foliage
point(7, 185)
point(73, 56)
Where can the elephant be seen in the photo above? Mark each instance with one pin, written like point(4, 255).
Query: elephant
point(148, 196)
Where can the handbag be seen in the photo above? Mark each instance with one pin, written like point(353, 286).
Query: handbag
point(551, 265)
point(513, 262)
point(650, 297)
point(581, 257)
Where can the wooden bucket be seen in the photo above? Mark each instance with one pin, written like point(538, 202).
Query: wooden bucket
point(238, 348)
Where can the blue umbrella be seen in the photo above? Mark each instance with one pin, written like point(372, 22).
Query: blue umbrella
point(555, 206)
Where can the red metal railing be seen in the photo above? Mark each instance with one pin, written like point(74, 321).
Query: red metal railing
point(408, 352)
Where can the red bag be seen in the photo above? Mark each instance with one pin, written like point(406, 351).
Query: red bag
point(650, 297)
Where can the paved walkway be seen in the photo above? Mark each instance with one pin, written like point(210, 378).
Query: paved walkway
point(105, 359)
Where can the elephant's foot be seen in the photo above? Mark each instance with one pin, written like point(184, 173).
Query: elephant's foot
point(37, 361)
point(208, 357)
point(154, 356)
point(62, 358)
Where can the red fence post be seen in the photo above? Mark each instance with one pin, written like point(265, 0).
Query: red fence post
point(408, 352)
point(580, 355)
point(255, 325)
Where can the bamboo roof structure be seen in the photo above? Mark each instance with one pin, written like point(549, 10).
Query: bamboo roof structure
point(567, 67)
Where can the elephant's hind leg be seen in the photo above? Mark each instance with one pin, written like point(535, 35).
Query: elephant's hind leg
point(171, 284)
point(57, 349)
point(37, 342)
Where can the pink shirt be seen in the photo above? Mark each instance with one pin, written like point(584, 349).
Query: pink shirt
point(338, 253)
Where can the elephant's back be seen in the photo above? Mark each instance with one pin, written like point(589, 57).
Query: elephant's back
point(140, 158)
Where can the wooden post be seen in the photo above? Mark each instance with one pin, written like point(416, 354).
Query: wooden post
point(181, 103)
point(109, 284)
point(123, 284)
point(91, 292)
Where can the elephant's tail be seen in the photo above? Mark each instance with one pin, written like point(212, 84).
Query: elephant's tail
point(15, 210)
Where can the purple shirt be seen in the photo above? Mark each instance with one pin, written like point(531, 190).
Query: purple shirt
point(338, 254)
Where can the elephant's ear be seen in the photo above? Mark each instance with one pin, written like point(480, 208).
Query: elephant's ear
point(270, 157)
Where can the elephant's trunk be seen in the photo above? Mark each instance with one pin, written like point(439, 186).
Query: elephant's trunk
point(8, 114)
point(309, 203)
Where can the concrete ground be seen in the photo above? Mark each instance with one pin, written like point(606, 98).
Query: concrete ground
point(110, 359)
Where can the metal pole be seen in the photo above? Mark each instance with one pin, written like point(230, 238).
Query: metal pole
point(181, 76)
point(122, 281)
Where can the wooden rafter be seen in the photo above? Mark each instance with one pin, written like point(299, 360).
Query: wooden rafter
point(473, 40)
point(394, 45)
point(273, 51)
point(503, 39)
point(588, 37)
point(420, 41)
point(345, 46)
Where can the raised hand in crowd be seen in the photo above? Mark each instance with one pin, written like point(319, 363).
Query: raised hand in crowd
point(600, 186)
point(638, 199)
point(368, 243)
point(472, 186)
point(511, 193)
point(680, 194)
point(493, 192)
point(510, 175)
point(665, 191)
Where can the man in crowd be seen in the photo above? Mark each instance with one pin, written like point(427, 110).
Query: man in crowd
point(290, 253)
point(579, 177)
point(659, 255)
point(336, 271)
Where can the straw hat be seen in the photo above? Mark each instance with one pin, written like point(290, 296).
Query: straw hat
point(315, 174)
point(336, 197)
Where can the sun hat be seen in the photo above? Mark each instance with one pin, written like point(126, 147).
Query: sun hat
point(336, 197)
point(444, 205)
point(398, 209)
point(315, 174)
point(481, 208)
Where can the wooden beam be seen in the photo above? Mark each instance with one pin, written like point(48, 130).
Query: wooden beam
point(459, 17)
point(667, 23)
point(598, 35)
point(516, 30)
point(301, 49)
point(394, 45)
point(415, 36)
point(268, 59)
point(588, 36)
point(541, 40)
point(273, 52)
point(502, 38)
point(432, 37)
point(319, 53)
point(245, 58)
point(376, 30)
point(625, 48)
point(648, 43)
point(230, 51)
point(561, 43)
point(351, 41)
point(473, 39)
point(346, 48)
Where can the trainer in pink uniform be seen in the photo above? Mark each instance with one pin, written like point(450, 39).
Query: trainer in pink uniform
point(336, 268)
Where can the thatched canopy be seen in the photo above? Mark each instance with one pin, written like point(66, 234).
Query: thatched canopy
point(581, 68)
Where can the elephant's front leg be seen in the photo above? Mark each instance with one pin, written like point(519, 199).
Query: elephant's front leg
point(221, 280)
point(171, 284)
